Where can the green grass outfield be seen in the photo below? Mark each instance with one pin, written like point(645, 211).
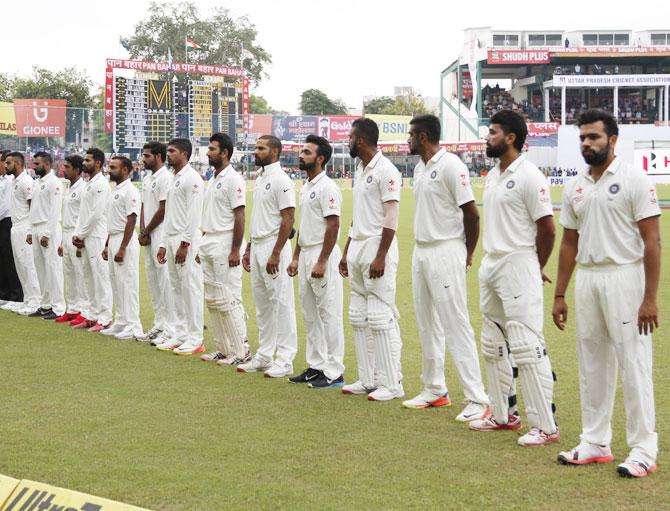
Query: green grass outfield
point(123, 421)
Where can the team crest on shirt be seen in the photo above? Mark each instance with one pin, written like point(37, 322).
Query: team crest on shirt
point(510, 184)
point(614, 189)
point(312, 195)
point(74, 194)
point(267, 186)
point(153, 185)
point(116, 196)
point(433, 174)
point(652, 196)
point(42, 187)
point(218, 187)
point(88, 189)
point(177, 183)
point(369, 180)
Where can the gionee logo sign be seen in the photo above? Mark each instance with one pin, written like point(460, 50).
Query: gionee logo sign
point(41, 114)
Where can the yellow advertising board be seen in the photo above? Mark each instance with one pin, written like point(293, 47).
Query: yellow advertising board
point(391, 127)
point(40, 496)
point(7, 118)
point(7, 485)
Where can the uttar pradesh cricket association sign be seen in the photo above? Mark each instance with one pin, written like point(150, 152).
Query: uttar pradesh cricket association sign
point(44, 118)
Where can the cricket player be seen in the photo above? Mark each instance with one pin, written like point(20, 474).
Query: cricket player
point(179, 247)
point(222, 240)
point(518, 240)
point(154, 194)
point(22, 194)
point(73, 268)
point(370, 259)
point(446, 230)
point(315, 262)
point(45, 237)
point(90, 235)
point(611, 219)
point(122, 252)
point(267, 256)
point(11, 294)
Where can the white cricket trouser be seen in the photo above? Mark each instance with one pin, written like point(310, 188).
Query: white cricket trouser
point(96, 275)
point(25, 265)
point(510, 289)
point(441, 309)
point(187, 292)
point(214, 251)
point(158, 278)
point(607, 299)
point(321, 302)
point(275, 304)
point(76, 294)
point(374, 315)
point(49, 269)
point(125, 280)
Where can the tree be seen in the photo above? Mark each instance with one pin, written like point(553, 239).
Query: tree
point(259, 105)
point(223, 39)
point(400, 105)
point(317, 102)
point(6, 87)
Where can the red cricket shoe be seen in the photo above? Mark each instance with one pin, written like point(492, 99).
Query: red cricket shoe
point(67, 317)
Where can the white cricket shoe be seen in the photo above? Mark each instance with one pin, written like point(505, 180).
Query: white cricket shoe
point(357, 388)
point(154, 332)
point(254, 365)
point(11, 306)
point(212, 357)
point(279, 370)
point(169, 345)
point(163, 337)
point(141, 336)
point(428, 399)
point(113, 329)
point(189, 348)
point(586, 453)
point(233, 360)
point(124, 335)
point(384, 394)
point(473, 411)
point(536, 437)
point(26, 310)
point(635, 468)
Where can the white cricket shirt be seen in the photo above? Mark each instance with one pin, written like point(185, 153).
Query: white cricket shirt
point(183, 207)
point(22, 192)
point(223, 194)
point(441, 187)
point(72, 204)
point(606, 213)
point(6, 183)
point(513, 202)
point(124, 202)
point(154, 190)
point(319, 199)
point(375, 184)
point(273, 192)
point(45, 208)
point(92, 221)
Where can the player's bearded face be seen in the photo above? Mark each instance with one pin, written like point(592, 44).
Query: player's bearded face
point(308, 166)
point(353, 150)
point(214, 160)
point(592, 156)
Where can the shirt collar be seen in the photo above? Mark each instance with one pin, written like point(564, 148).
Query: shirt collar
point(612, 169)
point(438, 155)
point(316, 179)
point(373, 162)
point(123, 185)
point(269, 169)
point(77, 183)
point(183, 171)
point(154, 175)
point(514, 166)
point(223, 173)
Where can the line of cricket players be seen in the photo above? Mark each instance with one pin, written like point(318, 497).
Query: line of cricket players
point(193, 235)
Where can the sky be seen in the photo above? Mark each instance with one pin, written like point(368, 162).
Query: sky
point(349, 49)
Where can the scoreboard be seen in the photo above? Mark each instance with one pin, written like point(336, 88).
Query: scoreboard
point(148, 109)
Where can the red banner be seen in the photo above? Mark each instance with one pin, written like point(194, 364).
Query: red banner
point(177, 67)
point(628, 51)
point(518, 57)
point(335, 128)
point(109, 100)
point(40, 117)
point(542, 129)
point(245, 105)
point(467, 84)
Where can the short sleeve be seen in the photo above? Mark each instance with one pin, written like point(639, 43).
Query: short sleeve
point(643, 197)
point(163, 188)
point(331, 200)
point(568, 217)
point(389, 183)
point(132, 203)
point(285, 193)
point(457, 180)
point(237, 192)
point(537, 195)
point(28, 189)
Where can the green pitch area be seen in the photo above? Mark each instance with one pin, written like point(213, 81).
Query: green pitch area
point(120, 420)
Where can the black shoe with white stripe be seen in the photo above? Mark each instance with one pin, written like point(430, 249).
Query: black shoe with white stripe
point(306, 376)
